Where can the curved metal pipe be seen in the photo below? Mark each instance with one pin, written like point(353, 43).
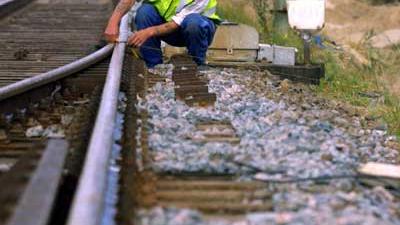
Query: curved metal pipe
point(89, 200)
point(56, 74)
point(8, 7)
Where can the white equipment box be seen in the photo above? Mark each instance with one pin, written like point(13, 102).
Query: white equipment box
point(306, 14)
point(278, 55)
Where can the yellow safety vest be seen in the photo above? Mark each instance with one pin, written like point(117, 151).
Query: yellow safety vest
point(169, 8)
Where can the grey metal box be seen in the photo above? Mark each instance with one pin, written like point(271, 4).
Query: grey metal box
point(284, 55)
point(265, 53)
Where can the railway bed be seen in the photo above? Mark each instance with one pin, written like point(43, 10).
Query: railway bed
point(266, 152)
point(223, 146)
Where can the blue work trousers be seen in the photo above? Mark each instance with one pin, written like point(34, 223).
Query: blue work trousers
point(196, 33)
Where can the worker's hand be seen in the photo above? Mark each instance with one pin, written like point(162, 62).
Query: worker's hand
point(112, 32)
point(140, 37)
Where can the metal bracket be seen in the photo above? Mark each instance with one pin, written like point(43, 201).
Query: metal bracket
point(306, 36)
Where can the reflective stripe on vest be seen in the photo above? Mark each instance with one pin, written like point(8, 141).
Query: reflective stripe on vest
point(169, 8)
point(183, 4)
point(210, 12)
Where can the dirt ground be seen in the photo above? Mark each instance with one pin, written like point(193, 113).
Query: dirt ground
point(348, 21)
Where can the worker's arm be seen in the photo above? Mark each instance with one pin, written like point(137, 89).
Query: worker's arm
point(112, 31)
point(140, 37)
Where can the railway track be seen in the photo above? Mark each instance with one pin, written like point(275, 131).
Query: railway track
point(44, 128)
point(75, 143)
point(41, 37)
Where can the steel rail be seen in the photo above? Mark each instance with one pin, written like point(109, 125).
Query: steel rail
point(89, 199)
point(56, 74)
point(35, 205)
point(9, 6)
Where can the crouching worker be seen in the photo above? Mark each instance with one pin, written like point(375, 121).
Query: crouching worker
point(181, 23)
